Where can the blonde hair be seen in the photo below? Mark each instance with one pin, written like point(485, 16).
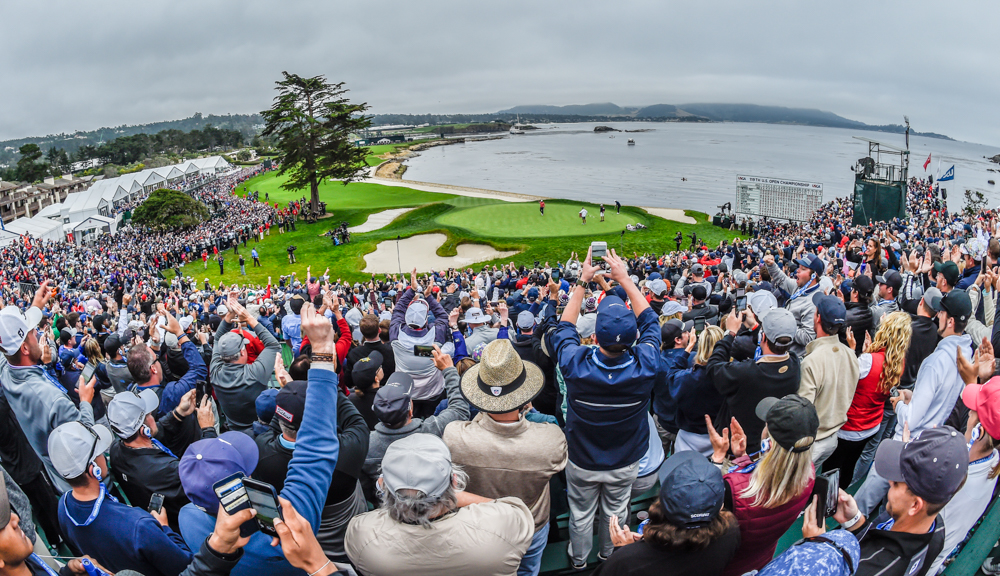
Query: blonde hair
point(706, 344)
point(893, 337)
point(781, 475)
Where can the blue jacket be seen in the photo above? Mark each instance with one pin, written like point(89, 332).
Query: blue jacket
point(173, 391)
point(309, 474)
point(696, 396)
point(665, 392)
point(123, 538)
point(607, 398)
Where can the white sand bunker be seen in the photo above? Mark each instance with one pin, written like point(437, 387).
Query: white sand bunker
point(420, 252)
point(675, 214)
point(378, 220)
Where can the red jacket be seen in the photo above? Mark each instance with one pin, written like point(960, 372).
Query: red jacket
point(760, 528)
point(343, 346)
point(865, 412)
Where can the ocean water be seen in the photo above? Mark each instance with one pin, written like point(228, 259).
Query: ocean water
point(572, 161)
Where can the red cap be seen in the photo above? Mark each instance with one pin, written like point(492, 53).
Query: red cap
point(985, 400)
point(436, 289)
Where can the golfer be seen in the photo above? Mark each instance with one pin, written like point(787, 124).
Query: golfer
point(541, 207)
point(583, 215)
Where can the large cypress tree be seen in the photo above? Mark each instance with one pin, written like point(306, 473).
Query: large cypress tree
point(311, 122)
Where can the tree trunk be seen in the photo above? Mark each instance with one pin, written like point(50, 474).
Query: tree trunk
point(314, 194)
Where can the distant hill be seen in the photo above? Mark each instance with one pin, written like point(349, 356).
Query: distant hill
point(601, 109)
point(247, 124)
point(706, 112)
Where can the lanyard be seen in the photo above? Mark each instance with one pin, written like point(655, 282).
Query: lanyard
point(42, 563)
point(162, 448)
point(804, 290)
point(94, 512)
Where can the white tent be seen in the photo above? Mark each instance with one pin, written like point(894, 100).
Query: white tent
point(40, 228)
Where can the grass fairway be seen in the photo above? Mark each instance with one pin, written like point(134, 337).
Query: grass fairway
point(338, 196)
point(503, 225)
point(372, 159)
point(523, 220)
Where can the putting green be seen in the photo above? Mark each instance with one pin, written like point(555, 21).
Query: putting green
point(522, 220)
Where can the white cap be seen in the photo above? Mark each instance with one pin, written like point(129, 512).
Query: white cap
point(127, 411)
point(73, 446)
point(14, 327)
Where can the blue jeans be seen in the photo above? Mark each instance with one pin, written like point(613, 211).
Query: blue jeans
point(532, 561)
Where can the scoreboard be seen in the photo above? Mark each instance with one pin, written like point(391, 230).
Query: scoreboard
point(777, 198)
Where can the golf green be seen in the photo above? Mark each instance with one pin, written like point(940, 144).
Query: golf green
point(523, 220)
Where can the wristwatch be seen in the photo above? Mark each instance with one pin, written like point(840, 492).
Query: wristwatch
point(582, 282)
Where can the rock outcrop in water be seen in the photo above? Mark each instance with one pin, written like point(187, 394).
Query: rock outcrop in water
point(605, 129)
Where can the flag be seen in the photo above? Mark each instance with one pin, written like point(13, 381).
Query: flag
point(949, 175)
point(927, 162)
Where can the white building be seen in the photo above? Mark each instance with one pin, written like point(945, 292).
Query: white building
point(97, 210)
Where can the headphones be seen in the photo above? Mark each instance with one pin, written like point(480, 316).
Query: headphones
point(147, 432)
point(95, 471)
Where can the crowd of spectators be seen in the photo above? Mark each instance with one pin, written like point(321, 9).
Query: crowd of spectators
point(435, 423)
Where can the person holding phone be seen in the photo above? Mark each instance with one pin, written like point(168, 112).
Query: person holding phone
point(767, 494)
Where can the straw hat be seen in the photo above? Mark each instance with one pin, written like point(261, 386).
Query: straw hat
point(501, 382)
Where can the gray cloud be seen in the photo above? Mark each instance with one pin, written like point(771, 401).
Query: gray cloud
point(80, 65)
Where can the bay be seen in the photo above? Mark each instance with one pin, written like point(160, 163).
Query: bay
point(571, 161)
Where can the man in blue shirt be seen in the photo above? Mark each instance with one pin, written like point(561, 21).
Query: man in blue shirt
point(607, 391)
point(119, 537)
point(291, 324)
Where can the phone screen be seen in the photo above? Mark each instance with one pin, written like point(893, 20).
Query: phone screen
point(232, 494)
point(555, 274)
point(419, 350)
point(265, 504)
point(200, 386)
point(88, 372)
point(155, 503)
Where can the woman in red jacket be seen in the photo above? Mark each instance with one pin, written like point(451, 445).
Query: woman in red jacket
point(880, 373)
point(767, 494)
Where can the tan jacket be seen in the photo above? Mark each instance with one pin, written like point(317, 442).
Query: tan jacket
point(509, 459)
point(480, 539)
point(829, 378)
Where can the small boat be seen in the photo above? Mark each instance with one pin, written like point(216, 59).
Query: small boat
point(516, 128)
point(991, 182)
point(631, 142)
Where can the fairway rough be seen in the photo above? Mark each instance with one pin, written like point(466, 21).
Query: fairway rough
point(420, 252)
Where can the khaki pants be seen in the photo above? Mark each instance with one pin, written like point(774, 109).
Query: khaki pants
point(822, 449)
point(588, 489)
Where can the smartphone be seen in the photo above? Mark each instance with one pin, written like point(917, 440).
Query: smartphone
point(201, 388)
point(699, 325)
point(598, 250)
point(88, 372)
point(264, 500)
point(233, 497)
point(420, 350)
point(741, 292)
point(155, 503)
point(555, 274)
point(827, 487)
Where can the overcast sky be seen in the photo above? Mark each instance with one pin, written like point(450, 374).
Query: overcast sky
point(82, 65)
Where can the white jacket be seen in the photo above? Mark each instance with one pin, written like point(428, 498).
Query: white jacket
point(937, 387)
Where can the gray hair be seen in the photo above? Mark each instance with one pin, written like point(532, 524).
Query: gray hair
point(417, 508)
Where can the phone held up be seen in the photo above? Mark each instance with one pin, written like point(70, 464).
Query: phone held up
point(598, 250)
point(88, 372)
point(237, 492)
point(155, 503)
point(827, 487)
point(422, 350)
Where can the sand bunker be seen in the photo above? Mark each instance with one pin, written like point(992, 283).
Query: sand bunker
point(420, 252)
point(378, 220)
point(675, 214)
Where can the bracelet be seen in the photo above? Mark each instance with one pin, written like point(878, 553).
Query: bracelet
point(321, 358)
point(850, 523)
point(320, 568)
point(178, 418)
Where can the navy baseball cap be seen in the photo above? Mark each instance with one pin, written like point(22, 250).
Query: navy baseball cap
point(812, 262)
point(290, 403)
point(955, 303)
point(616, 324)
point(692, 490)
point(392, 401)
point(830, 309)
point(265, 405)
point(933, 465)
point(207, 461)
